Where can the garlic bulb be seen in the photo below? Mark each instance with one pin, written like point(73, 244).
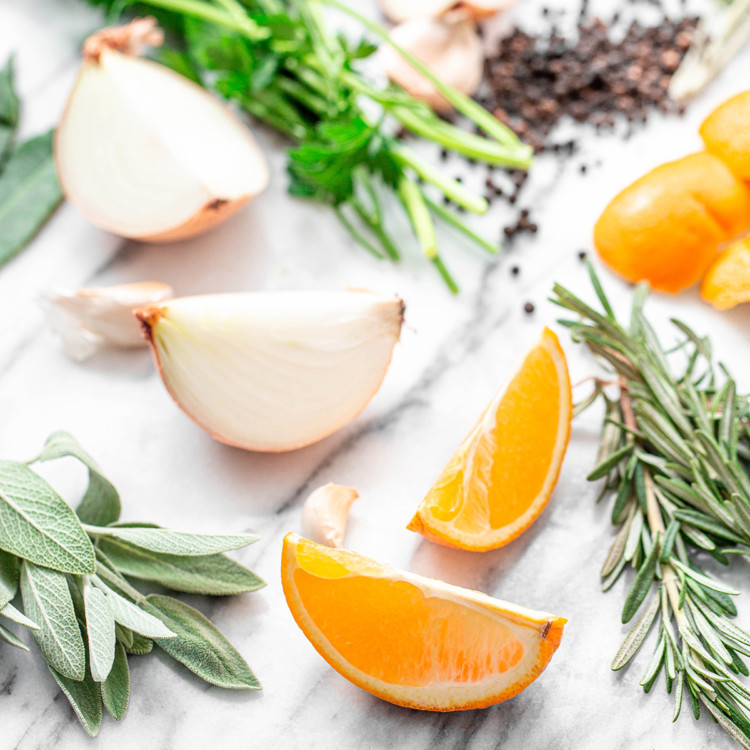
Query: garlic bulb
point(399, 11)
point(325, 513)
point(145, 153)
point(273, 371)
point(91, 318)
point(449, 46)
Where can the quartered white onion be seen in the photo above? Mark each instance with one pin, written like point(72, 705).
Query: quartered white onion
point(145, 153)
point(273, 371)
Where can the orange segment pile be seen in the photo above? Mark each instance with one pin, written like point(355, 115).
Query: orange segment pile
point(665, 228)
point(502, 475)
point(412, 640)
point(726, 133)
point(727, 282)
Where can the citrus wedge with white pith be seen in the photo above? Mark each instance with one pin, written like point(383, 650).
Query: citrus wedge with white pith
point(503, 474)
point(411, 640)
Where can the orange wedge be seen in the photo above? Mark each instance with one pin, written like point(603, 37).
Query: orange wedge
point(412, 640)
point(502, 475)
point(726, 134)
point(727, 282)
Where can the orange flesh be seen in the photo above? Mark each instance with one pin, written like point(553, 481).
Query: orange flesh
point(727, 282)
point(411, 640)
point(503, 473)
point(414, 644)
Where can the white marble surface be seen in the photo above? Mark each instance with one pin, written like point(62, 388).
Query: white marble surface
point(453, 354)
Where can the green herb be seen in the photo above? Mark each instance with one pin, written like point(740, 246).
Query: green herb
point(83, 613)
point(9, 111)
point(672, 453)
point(277, 61)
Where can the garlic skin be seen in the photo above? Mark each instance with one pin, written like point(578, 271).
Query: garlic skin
point(93, 318)
point(273, 371)
point(449, 46)
point(325, 513)
point(399, 11)
point(145, 153)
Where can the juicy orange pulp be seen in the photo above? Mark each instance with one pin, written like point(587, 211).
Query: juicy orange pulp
point(665, 228)
point(502, 475)
point(726, 133)
point(727, 282)
point(412, 640)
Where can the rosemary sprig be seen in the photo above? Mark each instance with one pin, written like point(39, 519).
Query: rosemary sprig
point(672, 452)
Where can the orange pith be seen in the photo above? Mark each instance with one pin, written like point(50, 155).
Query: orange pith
point(727, 282)
point(665, 228)
point(503, 474)
point(726, 134)
point(412, 640)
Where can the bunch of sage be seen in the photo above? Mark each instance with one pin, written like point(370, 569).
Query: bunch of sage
point(29, 190)
point(72, 570)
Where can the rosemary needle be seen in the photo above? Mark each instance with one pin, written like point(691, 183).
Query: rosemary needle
point(672, 454)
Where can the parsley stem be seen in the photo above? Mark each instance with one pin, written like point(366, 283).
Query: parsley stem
point(450, 188)
point(463, 104)
point(376, 226)
point(211, 13)
point(451, 218)
point(356, 235)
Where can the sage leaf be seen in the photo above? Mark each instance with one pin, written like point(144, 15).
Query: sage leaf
point(141, 645)
point(200, 646)
point(100, 504)
point(124, 635)
point(217, 575)
point(17, 616)
point(9, 110)
point(29, 193)
point(9, 637)
point(100, 630)
point(133, 617)
point(116, 688)
point(10, 570)
point(47, 601)
point(641, 584)
point(175, 542)
point(86, 699)
point(37, 525)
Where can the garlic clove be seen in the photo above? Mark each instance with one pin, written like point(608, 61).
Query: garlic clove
point(399, 11)
point(92, 318)
point(273, 371)
point(145, 153)
point(325, 513)
point(449, 46)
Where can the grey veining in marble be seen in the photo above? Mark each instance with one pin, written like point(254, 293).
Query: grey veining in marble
point(453, 355)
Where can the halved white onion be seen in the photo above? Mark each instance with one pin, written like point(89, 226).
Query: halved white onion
point(273, 371)
point(96, 317)
point(449, 46)
point(145, 153)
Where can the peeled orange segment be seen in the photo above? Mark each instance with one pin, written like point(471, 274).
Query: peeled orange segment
point(502, 475)
point(665, 228)
point(411, 640)
point(727, 282)
point(726, 134)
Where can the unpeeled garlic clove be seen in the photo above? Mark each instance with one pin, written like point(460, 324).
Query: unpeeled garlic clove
point(273, 371)
point(399, 11)
point(449, 46)
point(92, 318)
point(325, 513)
point(146, 153)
